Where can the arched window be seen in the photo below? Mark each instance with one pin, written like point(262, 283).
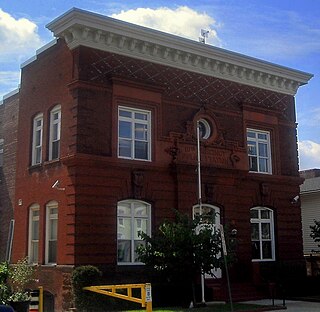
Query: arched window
point(51, 232)
point(207, 212)
point(33, 248)
point(133, 216)
point(212, 214)
point(55, 129)
point(37, 139)
point(262, 234)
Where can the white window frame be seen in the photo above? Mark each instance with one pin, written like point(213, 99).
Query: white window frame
point(132, 140)
point(259, 157)
point(32, 241)
point(261, 221)
point(133, 218)
point(37, 148)
point(52, 139)
point(197, 211)
point(49, 217)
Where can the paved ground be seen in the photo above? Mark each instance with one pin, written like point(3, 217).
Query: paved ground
point(292, 306)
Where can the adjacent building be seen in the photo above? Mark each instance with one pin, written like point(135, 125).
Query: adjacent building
point(310, 211)
point(107, 147)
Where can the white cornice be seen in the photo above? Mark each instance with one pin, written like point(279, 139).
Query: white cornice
point(84, 28)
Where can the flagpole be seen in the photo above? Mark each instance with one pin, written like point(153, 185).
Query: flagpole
point(200, 198)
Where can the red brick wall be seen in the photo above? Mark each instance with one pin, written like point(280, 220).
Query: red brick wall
point(9, 121)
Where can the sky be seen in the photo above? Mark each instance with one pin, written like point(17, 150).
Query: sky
point(285, 32)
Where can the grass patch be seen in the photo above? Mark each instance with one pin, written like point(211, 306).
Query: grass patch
point(211, 308)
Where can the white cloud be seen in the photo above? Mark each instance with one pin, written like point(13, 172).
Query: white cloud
point(309, 154)
point(17, 36)
point(181, 21)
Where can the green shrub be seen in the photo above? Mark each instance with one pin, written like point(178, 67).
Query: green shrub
point(4, 289)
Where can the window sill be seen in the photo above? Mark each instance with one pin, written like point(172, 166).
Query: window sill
point(49, 265)
point(130, 263)
point(258, 172)
point(263, 260)
point(48, 163)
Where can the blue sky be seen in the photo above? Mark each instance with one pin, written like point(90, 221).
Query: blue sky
point(285, 32)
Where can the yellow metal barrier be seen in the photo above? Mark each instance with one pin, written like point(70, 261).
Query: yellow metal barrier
point(112, 290)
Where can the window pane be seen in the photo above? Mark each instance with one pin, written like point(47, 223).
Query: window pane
point(52, 257)
point(34, 252)
point(252, 149)
point(263, 150)
point(253, 163)
point(53, 229)
point(124, 251)
point(140, 226)
point(38, 138)
point(56, 116)
point(55, 132)
point(254, 231)
point(55, 149)
point(35, 230)
point(251, 134)
point(140, 209)
point(125, 148)
point(262, 136)
point(254, 213)
point(265, 214)
point(38, 155)
point(263, 165)
point(125, 129)
point(124, 209)
point(141, 116)
point(265, 228)
point(266, 250)
point(141, 132)
point(255, 250)
point(124, 113)
point(136, 245)
point(124, 229)
point(141, 150)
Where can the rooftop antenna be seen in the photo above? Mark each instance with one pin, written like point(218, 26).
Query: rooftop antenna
point(204, 34)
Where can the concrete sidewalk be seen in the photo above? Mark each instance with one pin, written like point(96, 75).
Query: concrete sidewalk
point(292, 306)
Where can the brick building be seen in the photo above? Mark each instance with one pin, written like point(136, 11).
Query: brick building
point(9, 111)
point(107, 147)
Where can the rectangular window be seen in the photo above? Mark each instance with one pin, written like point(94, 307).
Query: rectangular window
point(55, 129)
point(262, 234)
point(134, 134)
point(133, 217)
point(259, 151)
point(33, 234)
point(37, 139)
point(52, 233)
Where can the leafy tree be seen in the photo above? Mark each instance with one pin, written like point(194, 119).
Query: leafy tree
point(315, 231)
point(182, 249)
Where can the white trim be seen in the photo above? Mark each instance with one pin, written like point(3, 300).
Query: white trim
point(83, 28)
point(259, 221)
point(49, 216)
point(133, 121)
point(35, 147)
point(39, 51)
point(258, 156)
point(32, 209)
point(132, 218)
point(56, 109)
